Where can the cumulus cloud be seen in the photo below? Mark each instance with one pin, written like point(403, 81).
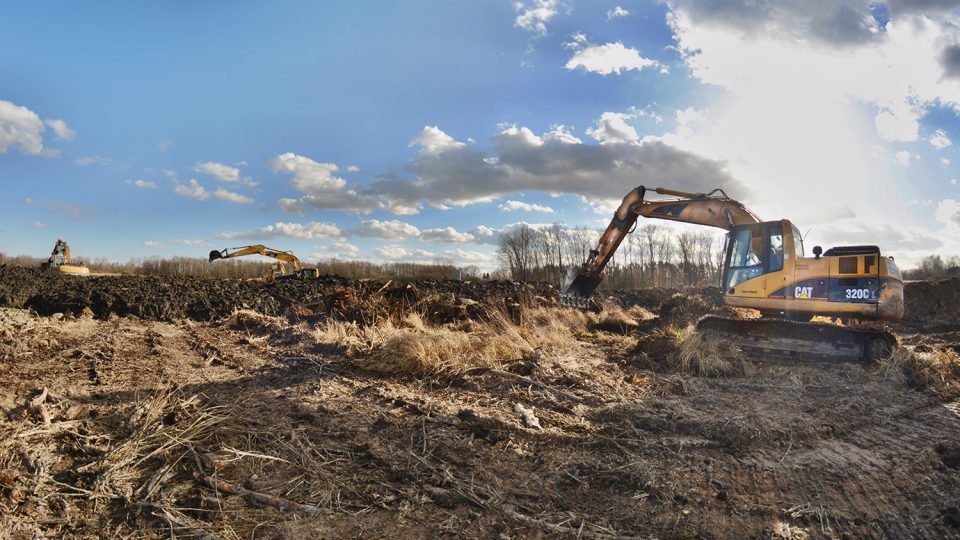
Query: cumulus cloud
point(950, 61)
point(229, 196)
point(904, 157)
point(22, 129)
point(398, 253)
point(142, 184)
point(321, 188)
point(60, 129)
point(608, 58)
point(804, 102)
point(336, 250)
point(445, 234)
point(613, 128)
point(314, 230)
point(521, 160)
point(153, 244)
point(616, 12)
point(940, 140)
point(193, 190)
point(432, 140)
point(37, 224)
point(219, 171)
point(385, 230)
point(513, 206)
point(533, 15)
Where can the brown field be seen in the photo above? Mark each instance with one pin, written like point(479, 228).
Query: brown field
point(138, 407)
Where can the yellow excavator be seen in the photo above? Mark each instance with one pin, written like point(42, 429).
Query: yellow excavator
point(287, 266)
point(765, 268)
point(61, 260)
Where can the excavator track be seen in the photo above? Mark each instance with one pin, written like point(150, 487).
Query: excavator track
point(802, 341)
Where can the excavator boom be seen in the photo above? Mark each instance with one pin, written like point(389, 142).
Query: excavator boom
point(714, 209)
point(284, 258)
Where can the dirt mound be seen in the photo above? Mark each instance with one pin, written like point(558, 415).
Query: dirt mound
point(933, 305)
point(172, 298)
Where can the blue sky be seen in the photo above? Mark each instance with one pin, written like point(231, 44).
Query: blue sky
point(410, 130)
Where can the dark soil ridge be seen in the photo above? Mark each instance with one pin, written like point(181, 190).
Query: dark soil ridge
point(170, 298)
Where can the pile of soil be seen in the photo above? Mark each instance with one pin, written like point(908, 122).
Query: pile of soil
point(932, 305)
point(172, 298)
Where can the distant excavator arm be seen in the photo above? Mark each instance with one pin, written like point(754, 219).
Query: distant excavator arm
point(714, 209)
point(284, 257)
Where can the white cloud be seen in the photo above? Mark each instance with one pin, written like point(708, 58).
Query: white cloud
point(463, 256)
point(432, 140)
point(533, 15)
point(397, 253)
point(164, 145)
point(321, 188)
point(953, 181)
point(445, 234)
point(314, 230)
point(28, 200)
point(337, 250)
point(484, 234)
point(229, 196)
point(512, 206)
point(153, 244)
point(353, 168)
point(609, 58)
point(22, 129)
point(142, 184)
point(92, 160)
point(945, 162)
point(193, 190)
point(616, 12)
point(904, 157)
point(386, 230)
point(36, 224)
point(60, 129)
point(219, 171)
point(805, 91)
point(612, 128)
point(940, 140)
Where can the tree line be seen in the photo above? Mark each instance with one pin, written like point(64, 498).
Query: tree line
point(652, 256)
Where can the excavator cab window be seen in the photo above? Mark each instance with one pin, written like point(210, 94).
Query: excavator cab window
point(744, 257)
point(776, 249)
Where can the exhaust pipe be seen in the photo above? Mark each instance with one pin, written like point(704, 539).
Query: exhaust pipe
point(214, 255)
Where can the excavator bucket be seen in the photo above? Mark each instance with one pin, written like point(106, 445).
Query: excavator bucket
point(579, 288)
point(214, 255)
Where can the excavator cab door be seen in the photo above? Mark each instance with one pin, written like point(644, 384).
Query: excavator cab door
point(753, 251)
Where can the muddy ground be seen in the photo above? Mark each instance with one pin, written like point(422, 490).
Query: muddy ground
point(163, 417)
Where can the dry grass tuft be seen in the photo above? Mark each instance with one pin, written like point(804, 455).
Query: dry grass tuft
point(248, 319)
point(413, 346)
point(937, 371)
point(707, 354)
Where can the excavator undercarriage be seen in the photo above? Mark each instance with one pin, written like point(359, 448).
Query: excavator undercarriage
point(765, 269)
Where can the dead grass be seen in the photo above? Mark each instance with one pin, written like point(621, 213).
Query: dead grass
point(936, 371)
point(413, 345)
point(707, 354)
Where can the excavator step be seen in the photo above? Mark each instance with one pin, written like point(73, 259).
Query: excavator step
point(802, 341)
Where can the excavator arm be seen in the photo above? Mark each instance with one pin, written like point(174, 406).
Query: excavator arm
point(714, 209)
point(284, 257)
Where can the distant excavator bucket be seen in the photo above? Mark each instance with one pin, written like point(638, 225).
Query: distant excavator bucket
point(579, 288)
point(214, 255)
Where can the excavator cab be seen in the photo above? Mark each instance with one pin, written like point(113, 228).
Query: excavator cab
point(757, 250)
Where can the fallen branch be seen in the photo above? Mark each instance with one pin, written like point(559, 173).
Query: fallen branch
point(511, 512)
point(529, 419)
point(262, 499)
point(536, 384)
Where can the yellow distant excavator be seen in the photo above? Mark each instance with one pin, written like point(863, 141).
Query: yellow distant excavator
point(61, 260)
point(765, 268)
point(287, 266)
